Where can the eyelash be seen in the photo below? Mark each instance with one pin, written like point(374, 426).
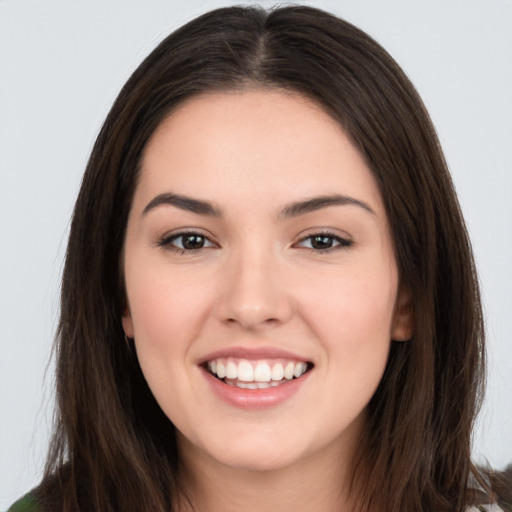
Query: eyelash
point(167, 242)
point(342, 242)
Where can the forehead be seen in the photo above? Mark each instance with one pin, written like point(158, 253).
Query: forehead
point(257, 144)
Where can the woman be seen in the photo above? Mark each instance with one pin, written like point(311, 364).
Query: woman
point(269, 296)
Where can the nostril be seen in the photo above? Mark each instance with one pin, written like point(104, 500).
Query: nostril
point(252, 322)
point(253, 304)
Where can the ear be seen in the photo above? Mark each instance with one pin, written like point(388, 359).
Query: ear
point(127, 322)
point(403, 322)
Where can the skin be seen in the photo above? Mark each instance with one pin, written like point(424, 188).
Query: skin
point(257, 281)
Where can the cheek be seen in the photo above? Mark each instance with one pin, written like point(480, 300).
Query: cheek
point(169, 310)
point(352, 312)
point(162, 311)
point(164, 306)
point(167, 315)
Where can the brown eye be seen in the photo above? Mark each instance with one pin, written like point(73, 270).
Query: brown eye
point(183, 242)
point(324, 242)
point(190, 242)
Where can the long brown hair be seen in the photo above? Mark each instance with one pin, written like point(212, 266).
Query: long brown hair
point(113, 448)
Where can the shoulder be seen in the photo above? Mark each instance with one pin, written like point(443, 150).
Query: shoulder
point(26, 504)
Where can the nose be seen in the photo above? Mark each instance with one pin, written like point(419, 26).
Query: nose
point(254, 294)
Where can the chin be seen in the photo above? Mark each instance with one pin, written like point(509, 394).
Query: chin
point(258, 460)
point(248, 451)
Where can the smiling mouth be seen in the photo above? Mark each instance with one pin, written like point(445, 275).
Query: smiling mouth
point(258, 374)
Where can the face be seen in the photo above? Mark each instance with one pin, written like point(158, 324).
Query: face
point(261, 283)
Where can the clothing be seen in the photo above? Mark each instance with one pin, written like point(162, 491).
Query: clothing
point(26, 504)
point(486, 508)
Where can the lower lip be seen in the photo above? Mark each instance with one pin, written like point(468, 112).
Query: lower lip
point(255, 398)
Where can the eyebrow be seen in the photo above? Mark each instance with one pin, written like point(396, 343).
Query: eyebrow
point(295, 209)
point(317, 203)
point(186, 203)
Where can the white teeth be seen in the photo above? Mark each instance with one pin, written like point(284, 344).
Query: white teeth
point(300, 368)
point(221, 372)
point(288, 371)
point(231, 370)
point(254, 385)
point(262, 373)
point(246, 385)
point(277, 371)
point(245, 371)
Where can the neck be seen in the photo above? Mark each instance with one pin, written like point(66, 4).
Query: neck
point(319, 482)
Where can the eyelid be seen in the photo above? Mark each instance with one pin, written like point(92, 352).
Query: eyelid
point(166, 241)
point(343, 241)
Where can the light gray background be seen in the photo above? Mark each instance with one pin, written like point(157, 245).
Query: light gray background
point(61, 66)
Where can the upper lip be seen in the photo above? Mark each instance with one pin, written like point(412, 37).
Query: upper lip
point(252, 353)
